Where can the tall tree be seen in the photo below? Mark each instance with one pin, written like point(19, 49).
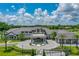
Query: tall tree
point(21, 36)
point(4, 26)
point(62, 36)
point(5, 39)
point(77, 37)
point(53, 35)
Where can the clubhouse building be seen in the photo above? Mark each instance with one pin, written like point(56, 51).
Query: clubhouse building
point(40, 35)
point(66, 37)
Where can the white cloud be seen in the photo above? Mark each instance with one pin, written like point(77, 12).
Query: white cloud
point(28, 15)
point(21, 11)
point(38, 12)
point(65, 14)
point(45, 13)
point(1, 17)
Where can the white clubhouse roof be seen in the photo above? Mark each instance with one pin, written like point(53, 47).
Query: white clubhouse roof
point(38, 35)
point(66, 34)
point(18, 30)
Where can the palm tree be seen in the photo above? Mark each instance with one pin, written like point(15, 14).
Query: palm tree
point(62, 39)
point(44, 53)
point(70, 45)
point(62, 36)
point(21, 36)
point(76, 36)
point(53, 35)
point(5, 39)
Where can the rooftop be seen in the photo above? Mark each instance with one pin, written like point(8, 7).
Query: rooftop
point(38, 35)
point(19, 30)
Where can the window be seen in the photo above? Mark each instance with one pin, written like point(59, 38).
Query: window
point(68, 41)
point(22, 32)
point(33, 31)
point(26, 32)
point(38, 30)
point(11, 37)
point(30, 32)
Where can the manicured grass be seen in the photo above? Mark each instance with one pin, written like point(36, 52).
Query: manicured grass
point(73, 30)
point(1, 41)
point(73, 51)
point(15, 51)
point(10, 41)
point(77, 32)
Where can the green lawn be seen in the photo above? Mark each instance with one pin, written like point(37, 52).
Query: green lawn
point(73, 52)
point(73, 30)
point(76, 32)
point(9, 53)
point(9, 41)
point(1, 41)
point(15, 51)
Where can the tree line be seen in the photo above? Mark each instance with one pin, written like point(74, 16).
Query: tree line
point(6, 26)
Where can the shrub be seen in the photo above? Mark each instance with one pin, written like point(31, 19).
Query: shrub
point(74, 51)
point(33, 52)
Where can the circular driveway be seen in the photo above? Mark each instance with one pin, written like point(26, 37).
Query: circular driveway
point(26, 45)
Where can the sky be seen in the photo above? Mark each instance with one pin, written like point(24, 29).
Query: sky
point(39, 13)
point(12, 8)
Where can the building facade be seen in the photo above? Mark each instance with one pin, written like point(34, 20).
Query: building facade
point(65, 37)
point(38, 35)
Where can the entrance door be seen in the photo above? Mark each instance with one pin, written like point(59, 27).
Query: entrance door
point(38, 40)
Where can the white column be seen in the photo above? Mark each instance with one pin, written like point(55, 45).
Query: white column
point(71, 41)
point(64, 41)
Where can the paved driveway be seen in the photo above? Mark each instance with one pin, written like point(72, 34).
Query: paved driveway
point(26, 45)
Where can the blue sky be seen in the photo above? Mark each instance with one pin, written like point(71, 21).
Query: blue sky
point(39, 13)
point(30, 7)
